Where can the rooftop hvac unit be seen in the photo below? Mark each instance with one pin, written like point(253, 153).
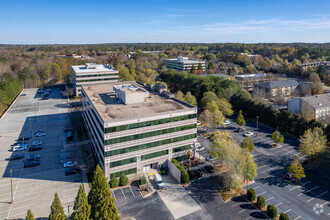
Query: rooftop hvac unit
point(90, 65)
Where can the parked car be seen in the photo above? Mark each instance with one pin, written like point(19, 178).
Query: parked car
point(288, 176)
point(32, 157)
point(36, 143)
point(19, 148)
point(24, 138)
point(70, 164)
point(239, 129)
point(72, 171)
point(40, 133)
point(16, 157)
point(226, 122)
point(159, 181)
point(200, 148)
point(198, 123)
point(31, 163)
point(209, 158)
point(35, 148)
point(248, 134)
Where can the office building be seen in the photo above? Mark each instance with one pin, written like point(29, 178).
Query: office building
point(270, 89)
point(247, 81)
point(133, 130)
point(183, 64)
point(91, 74)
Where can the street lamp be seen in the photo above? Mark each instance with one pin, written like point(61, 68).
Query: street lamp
point(257, 125)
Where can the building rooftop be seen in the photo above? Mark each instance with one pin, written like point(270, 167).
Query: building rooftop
point(281, 83)
point(318, 101)
point(185, 60)
point(111, 107)
point(93, 67)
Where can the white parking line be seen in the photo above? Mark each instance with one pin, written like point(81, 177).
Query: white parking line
point(123, 193)
point(261, 193)
point(297, 218)
point(300, 186)
point(256, 187)
point(70, 189)
point(131, 190)
point(114, 195)
point(269, 198)
point(274, 168)
point(325, 203)
point(20, 214)
point(262, 166)
point(288, 210)
point(317, 196)
point(309, 190)
point(279, 204)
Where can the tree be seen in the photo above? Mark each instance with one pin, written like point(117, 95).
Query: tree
point(271, 211)
point(277, 137)
point(193, 68)
point(179, 95)
point(114, 182)
point(240, 119)
point(206, 118)
point(225, 107)
point(247, 144)
point(208, 97)
point(284, 216)
point(29, 215)
point(261, 202)
point(123, 180)
point(56, 210)
point(248, 168)
point(210, 66)
point(296, 169)
point(100, 198)
point(200, 67)
point(218, 118)
point(190, 99)
point(251, 194)
point(81, 208)
point(313, 143)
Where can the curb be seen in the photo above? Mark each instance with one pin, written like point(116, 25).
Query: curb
point(19, 95)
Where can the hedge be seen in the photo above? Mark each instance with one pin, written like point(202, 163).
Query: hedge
point(123, 180)
point(271, 211)
point(251, 194)
point(261, 202)
point(184, 173)
point(284, 216)
point(143, 180)
point(114, 182)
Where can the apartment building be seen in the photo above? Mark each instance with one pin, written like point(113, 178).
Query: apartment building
point(183, 64)
point(312, 107)
point(92, 73)
point(247, 81)
point(270, 89)
point(133, 130)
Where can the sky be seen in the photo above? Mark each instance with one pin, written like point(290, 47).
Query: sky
point(163, 21)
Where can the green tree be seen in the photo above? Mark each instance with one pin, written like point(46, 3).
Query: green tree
point(190, 99)
point(206, 118)
point(271, 211)
point(179, 95)
point(193, 68)
point(208, 97)
point(247, 144)
point(29, 215)
point(114, 182)
point(284, 216)
point(251, 194)
point(56, 210)
point(100, 198)
point(210, 66)
point(277, 137)
point(296, 169)
point(81, 208)
point(200, 67)
point(218, 118)
point(313, 143)
point(261, 202)
point(249, 167)
point(225, 107)
point(123, 180)
point(240, 119)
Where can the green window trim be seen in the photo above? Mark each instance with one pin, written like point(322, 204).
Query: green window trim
point(182, 148)
point(92, 80)
point(122, 162)
point(155, 154)
point(148, 145)
point(149, 123)
point(126, 172)
point(96, 75)
point(148, 134)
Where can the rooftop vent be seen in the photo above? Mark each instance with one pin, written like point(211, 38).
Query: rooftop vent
point(90, 65)
point(320, 104)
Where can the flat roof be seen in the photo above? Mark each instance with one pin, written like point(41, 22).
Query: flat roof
point(104, 100)
point(98, 68)
point(185, 61)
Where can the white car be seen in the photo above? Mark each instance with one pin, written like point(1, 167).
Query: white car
point(70, 164)
point(40, 134)
point(200, 148)
point(248, 134)
point(19, 148)
point(196, 144)
point(36, 143)
point(226, 122)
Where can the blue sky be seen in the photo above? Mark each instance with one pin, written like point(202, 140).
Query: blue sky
point(203, 21)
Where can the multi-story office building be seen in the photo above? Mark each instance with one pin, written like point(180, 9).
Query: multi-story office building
point(274, 88)
point(183, 64)
point(91, 74)
point(133, 130)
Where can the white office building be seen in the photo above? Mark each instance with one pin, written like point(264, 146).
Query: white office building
point(183, 64)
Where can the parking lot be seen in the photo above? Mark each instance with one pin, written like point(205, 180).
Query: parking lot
point(34, 188)
point(308, 200)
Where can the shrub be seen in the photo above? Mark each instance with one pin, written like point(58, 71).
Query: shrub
point(184, 177)
point(284, 216)
point(251, 194)
point(143, 180)
point(271, 211)
point(123, 180)
point(114, 182)
point(261, 202)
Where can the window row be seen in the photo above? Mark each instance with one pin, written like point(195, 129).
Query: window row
point(96, 75)
point(182, 158)
point(183, 148)
point(126, 172)
point(149, 123)
point(91, 80)
point(149, 145)
point(148, 134)
point(123, 162)
point(152, 155)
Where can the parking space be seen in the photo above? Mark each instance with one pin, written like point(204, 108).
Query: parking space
point(127, 194)
point(35, 187)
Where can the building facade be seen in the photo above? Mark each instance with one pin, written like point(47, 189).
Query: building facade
point(283, 88)
point(183, 64)
point(133, 130)
point(312, 107)
point(247, 81)
point(91, 74)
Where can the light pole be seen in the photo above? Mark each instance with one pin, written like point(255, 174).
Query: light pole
point(257, 125)
point(30, 128)
point(247, 176)
point(11, 185)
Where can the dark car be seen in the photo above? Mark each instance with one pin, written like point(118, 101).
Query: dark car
point(32, 157)
point(72, 171)
point(35, 148)
point(23, 138)
point(288, 176)
point(31, 163)
point(16, 157)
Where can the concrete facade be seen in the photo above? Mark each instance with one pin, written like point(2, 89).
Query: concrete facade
point(91, 74)
point(271, 89)
point(134, 137)
point(183, 64)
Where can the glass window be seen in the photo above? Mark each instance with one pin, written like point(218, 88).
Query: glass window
point(152, 155)
point(126, 172)
point(122, 162)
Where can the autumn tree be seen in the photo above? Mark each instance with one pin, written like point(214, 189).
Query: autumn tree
point(313, 143)
point(56, 210)
point(247, 144)
point(206, 118)
point(277, 137)
point(81, 208)
point(296, 169)
point(240, 118)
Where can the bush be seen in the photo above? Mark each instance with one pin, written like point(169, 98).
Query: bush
point(261, 202)
point(114, 182)
point(271, 211)
point(184, 177)
point(251, 194)
point(123, 180)
point(284, 216)
point(143, 180)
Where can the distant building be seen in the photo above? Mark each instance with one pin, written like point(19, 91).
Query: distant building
point(133, 130)
point(312, 107)
point(270, 89)
point(247, 81)
point(221, 75)
point(249, 55)
point(305, 66)
point(91, 74)
point(183, 64)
